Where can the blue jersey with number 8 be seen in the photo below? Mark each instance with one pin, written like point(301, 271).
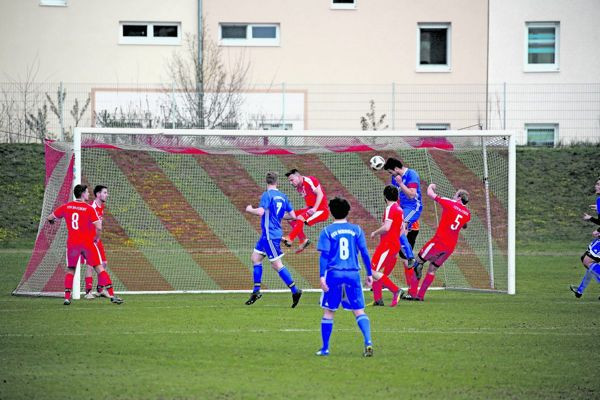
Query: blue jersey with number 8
point(341, 242)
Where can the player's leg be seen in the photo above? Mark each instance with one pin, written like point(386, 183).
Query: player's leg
point(89, 283)
point(257, 269)
point(326, 330)
point(592, 266)
point(377, 267)
point(356, 302)
point(389, 265)
point(436, 256)
point(317, 217)
point(73, 257)
point(427, 281)
point(275, 254)
point(100, 247)
point(106, 283)
point(297, 226)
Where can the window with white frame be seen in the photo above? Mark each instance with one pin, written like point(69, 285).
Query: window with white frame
point(541, 134)
point(267, 126)
point(153, 33)
point(433, 47)
point(235, 34)
point(541, 46)
point(433, 127)
point(343, 4)
point(53, 3)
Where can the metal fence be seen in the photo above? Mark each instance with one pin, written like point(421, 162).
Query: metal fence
point(562, 114)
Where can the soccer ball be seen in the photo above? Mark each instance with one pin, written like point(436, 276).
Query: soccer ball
point(377, 162)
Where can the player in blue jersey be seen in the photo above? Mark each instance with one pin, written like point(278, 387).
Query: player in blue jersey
point(409, 189)
point(274, 205)
point(591, 257)
point(339, 244)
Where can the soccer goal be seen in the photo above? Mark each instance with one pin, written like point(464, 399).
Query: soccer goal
point(175, 219)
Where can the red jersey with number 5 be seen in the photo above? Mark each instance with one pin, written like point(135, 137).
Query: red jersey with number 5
point(80, 218)
point(454, 216)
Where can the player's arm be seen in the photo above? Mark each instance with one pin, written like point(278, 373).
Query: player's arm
point(98, 226)
point(319, 192)
point(364, 254)
point(51, 218)
point(256, 211)
point(323, 247)
point(290, 216)
point(410, 191)
point(56, 214)
point(431, 191)
point(385, 227)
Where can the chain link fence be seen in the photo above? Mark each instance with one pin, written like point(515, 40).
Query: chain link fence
point(546, 114)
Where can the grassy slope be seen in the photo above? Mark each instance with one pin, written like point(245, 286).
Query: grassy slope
point(455, 345)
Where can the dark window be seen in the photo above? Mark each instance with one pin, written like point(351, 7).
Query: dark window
point(434, 46)
point(165, 31)
point(135, 30)
point(264, 32)
point(541, 46)
point(343, 1)
point(233, 31)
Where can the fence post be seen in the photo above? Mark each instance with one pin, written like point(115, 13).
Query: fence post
point(61, 112)
point(393, 105)
point(504, 101)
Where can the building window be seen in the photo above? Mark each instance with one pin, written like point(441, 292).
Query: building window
point(53, 3)
point(154, 33)
point(249, 34)
point(343, 4)
point(433, 47)
point(267, 126)
point(541, 46)
point(541, 134)
point(433, 127)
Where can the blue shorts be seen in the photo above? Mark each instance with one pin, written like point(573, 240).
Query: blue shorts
point(411, 215)
point(594, 249)
point(344, 288)
point(269, 248)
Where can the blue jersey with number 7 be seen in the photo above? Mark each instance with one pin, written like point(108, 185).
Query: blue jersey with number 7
point(275, 204)
point(341, 242)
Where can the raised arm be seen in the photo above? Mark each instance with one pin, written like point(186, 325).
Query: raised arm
point(431, 191)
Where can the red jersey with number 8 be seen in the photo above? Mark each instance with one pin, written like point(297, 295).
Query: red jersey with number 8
point(80, 218)
point(454, 216)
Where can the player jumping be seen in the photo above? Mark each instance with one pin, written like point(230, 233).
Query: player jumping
point(455, 216)
point(314, 212)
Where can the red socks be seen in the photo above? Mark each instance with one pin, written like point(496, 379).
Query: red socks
point(88, 283)
point(387, 282)
point(411, 281)
point(104, 280)
point(425, 285)
point(68, 285)
point(377, 290)
point(297, 230)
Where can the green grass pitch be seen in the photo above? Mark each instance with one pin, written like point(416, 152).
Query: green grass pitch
point(540, 343)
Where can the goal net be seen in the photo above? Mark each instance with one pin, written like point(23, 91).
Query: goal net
point(175, 217)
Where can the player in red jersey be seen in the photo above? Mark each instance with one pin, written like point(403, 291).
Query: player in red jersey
point(384, 258)
point(84, 227)
point(100, 196)
point(315, 211)
point(455, 216)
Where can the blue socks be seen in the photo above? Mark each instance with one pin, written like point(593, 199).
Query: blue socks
point(592, 271)
point(257, 277)
point(286, 277)
point(326, 328)
point(406, 247)
point(365, 327)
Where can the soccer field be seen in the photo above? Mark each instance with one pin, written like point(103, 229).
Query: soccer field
point(537, 344)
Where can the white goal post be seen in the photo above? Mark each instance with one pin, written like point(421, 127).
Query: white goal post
point(175, 222)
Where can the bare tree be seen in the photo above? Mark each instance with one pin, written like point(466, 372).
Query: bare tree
point(371, 122)
point(210, 90)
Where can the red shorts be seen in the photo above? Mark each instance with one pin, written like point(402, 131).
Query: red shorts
point(436, 252)
point(384, 258)
point(319, 216)
point(89, 252)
